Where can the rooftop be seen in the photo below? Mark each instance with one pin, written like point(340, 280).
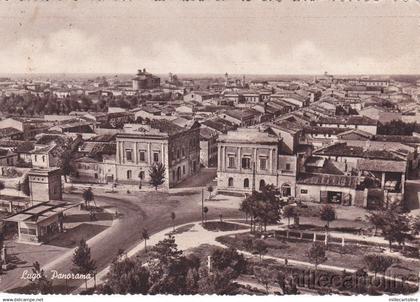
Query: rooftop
point(348, 120)
point(250, 136)
point(327, 180)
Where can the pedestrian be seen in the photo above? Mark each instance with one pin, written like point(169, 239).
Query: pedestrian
point(286, 261)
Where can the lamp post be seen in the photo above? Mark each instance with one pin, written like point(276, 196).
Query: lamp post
point(202, 206)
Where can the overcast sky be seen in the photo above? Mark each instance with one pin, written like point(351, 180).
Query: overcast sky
point(231, 36)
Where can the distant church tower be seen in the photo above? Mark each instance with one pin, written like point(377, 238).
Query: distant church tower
point(226, 79)
point(243, 81)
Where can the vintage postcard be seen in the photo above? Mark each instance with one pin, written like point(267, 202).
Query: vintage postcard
point(210, 147)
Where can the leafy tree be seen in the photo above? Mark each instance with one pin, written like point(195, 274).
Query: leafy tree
point(205, 211)
point(289, 211)
point(379, 263)
point(157, 174)
point(173, 216)
point(65, 164)
point(264, 276)
point(263, 206)
point(217, 282)
point(126, 277)
point(228, 258)
point(377, 219)
point(260, 247)
point(327, 214)
point(166, 250)
point(2, 186)
point(397, 227)
point(42, 284)
point(88, 196)
point(24, 186)
point(415, 225)
point(210, 189)
point(145, 235)
point(82, 260)
point(317, 254)
point(286, 283)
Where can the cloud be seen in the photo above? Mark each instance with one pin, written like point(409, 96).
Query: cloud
point(74, 51)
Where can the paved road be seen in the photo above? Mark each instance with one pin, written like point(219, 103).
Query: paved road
point(149, 210)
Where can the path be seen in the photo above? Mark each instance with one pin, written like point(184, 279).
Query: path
point(197, 236)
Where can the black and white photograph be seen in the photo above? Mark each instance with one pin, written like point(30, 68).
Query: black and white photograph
point(236, 148)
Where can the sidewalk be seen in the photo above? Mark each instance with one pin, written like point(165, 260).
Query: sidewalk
point(197, 235)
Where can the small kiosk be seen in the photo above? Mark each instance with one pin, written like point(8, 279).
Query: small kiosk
point(39, 223)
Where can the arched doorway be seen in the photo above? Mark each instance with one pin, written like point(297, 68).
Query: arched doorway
point(262, 184)
point(246, 183)
point(286, 190)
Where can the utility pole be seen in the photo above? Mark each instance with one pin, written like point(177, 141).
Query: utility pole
point(202, 206)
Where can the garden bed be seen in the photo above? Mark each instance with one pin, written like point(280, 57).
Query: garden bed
point(216, 226)
point(351, 256)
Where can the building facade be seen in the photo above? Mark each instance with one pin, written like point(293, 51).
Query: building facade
point(161, 141)
point(249, 159)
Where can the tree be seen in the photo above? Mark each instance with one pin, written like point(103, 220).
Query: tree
point(2, 186)
point(396, 228)
point(173, 216)
point(289, 211)
point(263, 206)
point(379, 263)
point(378, 219)
point(65, 165)
point(210, 189)
point(166, 250)
point(228, 258)
point(157, 174)
point(316, 253)
point(286, 283)
point(88, 196)
point(42, 284)
point(264, 276)
point(260, 247)
point(24, 186)
point(145, 236)
point(205, 211)
point(217, 282)
point(415, 225)
point(327, 214)
point(127, 277)
point(82, 260)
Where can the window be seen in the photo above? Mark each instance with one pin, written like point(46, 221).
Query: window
point(230, 182)
point(263, 163)
point(183, 152)
point(303, 191)
point(36, 158)
point(129, 155)
point(246, 163)
point(288, 167)
point(177, 154)
point(142, 155)
point(246, 183)
point(156, 157)
point(43, 158)
point(231, 162)
point(183, 169)
point(129, 174)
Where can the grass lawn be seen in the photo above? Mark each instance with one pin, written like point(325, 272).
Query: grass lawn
point(223, 226)
point(350, 257)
